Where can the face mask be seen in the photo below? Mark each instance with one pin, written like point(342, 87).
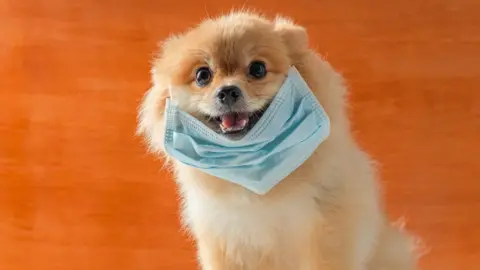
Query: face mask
point(283, 138)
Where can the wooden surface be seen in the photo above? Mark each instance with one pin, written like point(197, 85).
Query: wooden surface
point(77, 190)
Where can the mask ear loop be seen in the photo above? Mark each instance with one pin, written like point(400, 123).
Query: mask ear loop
point(170, 96)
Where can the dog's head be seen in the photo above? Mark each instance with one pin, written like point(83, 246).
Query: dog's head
point(224, 72)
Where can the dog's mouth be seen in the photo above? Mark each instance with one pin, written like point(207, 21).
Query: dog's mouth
point(234, 124)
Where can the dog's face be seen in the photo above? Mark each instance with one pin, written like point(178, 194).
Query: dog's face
point(224, 72)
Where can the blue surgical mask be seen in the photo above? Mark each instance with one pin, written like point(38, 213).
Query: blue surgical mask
point(283, 138)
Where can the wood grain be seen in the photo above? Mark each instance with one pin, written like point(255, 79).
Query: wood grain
point(77, 190)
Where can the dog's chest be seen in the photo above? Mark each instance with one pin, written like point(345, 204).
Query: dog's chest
point(256, 223)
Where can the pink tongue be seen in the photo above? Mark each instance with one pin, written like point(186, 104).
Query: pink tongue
point(228, 120)
point(234, 120)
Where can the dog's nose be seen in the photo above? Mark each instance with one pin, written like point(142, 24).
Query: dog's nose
point(228, 95)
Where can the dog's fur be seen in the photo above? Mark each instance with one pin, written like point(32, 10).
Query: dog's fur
point(325, 215)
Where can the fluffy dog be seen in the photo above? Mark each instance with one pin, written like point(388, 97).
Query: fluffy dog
point(326, 214)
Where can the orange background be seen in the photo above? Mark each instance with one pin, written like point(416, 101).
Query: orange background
point(77, 190)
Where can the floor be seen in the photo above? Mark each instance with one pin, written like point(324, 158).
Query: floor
point(78, 191)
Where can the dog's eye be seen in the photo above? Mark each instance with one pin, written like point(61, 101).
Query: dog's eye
point(257, 69)
point(203, 76)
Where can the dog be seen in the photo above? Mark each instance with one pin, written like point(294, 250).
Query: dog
point(327, 214)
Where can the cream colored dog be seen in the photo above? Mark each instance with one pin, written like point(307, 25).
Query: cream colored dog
point(325, 215)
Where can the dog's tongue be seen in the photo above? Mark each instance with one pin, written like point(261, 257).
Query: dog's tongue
point(234, 121)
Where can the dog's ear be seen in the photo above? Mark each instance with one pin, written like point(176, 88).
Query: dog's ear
point(150, 117)
point(152, 107)
point(294, 36)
